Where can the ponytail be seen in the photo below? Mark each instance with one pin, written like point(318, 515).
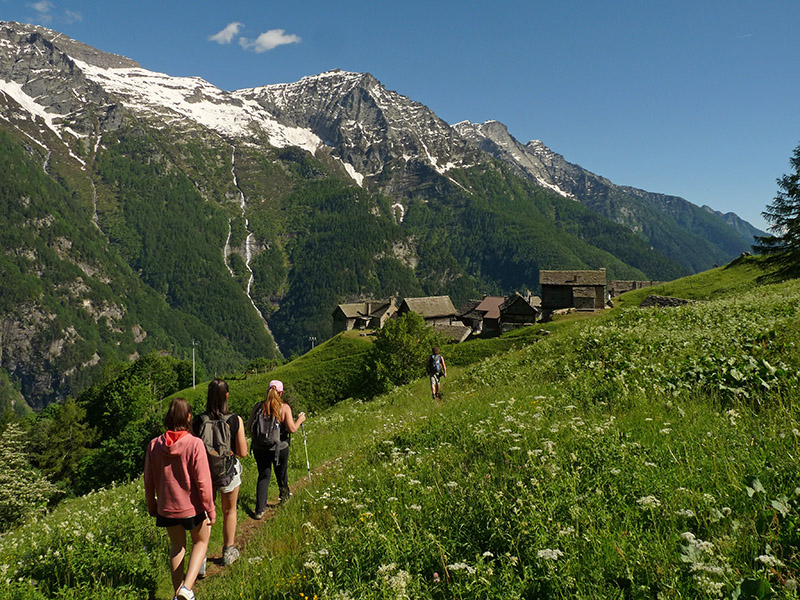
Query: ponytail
point(271, 407)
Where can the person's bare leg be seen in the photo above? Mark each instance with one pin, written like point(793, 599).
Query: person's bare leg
point(177, 540)
point(229, 517)
point(200, 535)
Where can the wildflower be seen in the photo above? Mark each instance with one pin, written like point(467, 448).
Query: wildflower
point(769, 560)
point(461, 566)
point(567, 531)
point(649, 502)
point(685, 512)
point(549, 553)
point(488, 554)
point(414, 507)
point(436, 577)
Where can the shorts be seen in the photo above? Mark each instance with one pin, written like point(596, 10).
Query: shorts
point(436, 379)
point(235, 482)
point(188, 523)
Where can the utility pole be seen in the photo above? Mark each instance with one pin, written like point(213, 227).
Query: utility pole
point(193, 379)
point(313, 340)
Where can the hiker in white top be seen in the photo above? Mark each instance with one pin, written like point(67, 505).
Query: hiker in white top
point(229, 444)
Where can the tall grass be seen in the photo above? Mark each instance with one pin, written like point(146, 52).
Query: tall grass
point(643, 454)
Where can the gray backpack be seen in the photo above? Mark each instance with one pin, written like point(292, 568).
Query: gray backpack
point(217, 438)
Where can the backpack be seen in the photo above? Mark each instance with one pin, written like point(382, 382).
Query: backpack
point(217, 438)
point(266, 432)
point(434, 364)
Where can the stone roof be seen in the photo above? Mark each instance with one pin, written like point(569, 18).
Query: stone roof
point(456, 332)
point(467, 310)
point(431, 306)
point(518, 298)
point(572, 277)
point(370, 308)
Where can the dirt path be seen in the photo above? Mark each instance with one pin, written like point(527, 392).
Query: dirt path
point(246, 529)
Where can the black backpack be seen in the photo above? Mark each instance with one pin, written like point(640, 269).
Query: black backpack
point(266, 432)
point(434, 364)
point(217, 438)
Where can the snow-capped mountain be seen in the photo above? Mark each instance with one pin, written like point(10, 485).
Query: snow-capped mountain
point(143, 211)
point(358, 120)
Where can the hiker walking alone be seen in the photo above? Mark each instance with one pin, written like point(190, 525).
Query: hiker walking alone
point(222, 433)
point(178, 491)
point(270, 425)
point(437, 369)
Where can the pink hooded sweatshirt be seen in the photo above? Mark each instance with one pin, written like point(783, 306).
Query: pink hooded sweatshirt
point(177, 481)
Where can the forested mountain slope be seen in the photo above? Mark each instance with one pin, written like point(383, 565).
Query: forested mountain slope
point(158, 212)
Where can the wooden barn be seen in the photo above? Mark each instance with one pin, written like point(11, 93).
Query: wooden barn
point(582, 290)
point(518, 311)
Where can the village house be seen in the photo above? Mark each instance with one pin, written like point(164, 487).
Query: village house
point(582, 290)
point(519, 311)
point(439, 312)
point(369, 314)
point(436, 310)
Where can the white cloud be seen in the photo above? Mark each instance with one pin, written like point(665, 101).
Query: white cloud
point(269, 40)
point(226, 35)
point(72, 16)
point(42, 8)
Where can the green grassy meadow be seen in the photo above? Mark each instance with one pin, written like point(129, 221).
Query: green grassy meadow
point(644, 453)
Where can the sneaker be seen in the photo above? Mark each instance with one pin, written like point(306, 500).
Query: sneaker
point(202, 573)
point(185, 593)
point(260, 515)
point(229, 555)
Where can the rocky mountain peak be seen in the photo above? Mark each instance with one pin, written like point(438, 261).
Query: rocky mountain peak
point(16, 33)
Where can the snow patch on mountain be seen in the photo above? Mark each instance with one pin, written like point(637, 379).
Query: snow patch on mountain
point(14, 91)
point(199, 101)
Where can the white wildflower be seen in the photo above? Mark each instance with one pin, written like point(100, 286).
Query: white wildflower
point(649, 502)
point(549, 553)
point(769, 560)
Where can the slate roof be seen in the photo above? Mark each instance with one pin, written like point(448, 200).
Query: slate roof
point(457, 332)
point(572, 277)
point(431, 306)
point(360, 309)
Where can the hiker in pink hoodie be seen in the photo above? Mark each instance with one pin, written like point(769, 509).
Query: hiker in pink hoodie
point(177, 487)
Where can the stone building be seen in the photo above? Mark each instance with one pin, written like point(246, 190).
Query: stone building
point(582, 290)
point(369, 314)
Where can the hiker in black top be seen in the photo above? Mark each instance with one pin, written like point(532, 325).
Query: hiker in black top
point(268, 454)
point(437, 369)
point(217, 409)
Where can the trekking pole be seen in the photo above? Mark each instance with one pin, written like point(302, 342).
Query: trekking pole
point(305, 445)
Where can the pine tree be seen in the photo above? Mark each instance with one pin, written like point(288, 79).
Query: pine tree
point(783, 248)
point(23, 491)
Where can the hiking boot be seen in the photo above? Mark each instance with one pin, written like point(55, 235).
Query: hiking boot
point(185, 593)
point(202, 573)
point(229, 555)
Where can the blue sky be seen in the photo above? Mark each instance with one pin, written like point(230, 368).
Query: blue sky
point(693, 98)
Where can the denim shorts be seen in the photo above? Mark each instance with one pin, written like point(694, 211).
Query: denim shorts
point(236, 481)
